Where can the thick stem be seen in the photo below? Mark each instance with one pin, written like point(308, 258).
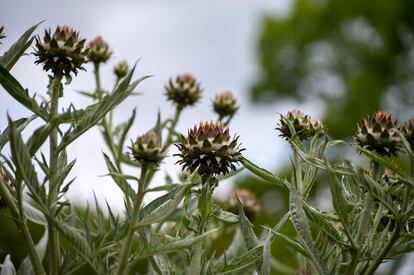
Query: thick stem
point(195, 264)
point(133, 220)
point(53, 176)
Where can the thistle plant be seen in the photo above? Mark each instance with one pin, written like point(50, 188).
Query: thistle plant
point(372, 207)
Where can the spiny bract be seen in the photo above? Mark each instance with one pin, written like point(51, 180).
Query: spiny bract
point(99, 51)
point(1, 33)
point(62, 52)
point(210, 148)
point(183, 90)
point(378, 133)
point(147, 149)
point(225, 104)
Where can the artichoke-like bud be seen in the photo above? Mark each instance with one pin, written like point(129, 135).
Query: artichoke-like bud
point(121, 69)
point(147, 149)
point(99, 51)
point(1, 33)
point(316, 127)
point(408, 131)
point(183, 90)
point(300, 122)
point(379, 134)
point(304, 126)
point(225, 104)
point(251, 204)
point(209, 148)
point(62, 52)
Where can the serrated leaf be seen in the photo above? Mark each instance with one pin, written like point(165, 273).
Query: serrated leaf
point(20, 126)
point(264, 174)
point(243, 261)
point(161, 207)
point(300, 222)
point(13, 54)
point(38, 138)
point(292, 242)
point(381, 160)
point(226, 216)
point(23, 162)
point(7, 267)
point(15, 89)
point(125, 131)
point(380, 194)
point(161, 244)
point(26, 267)
point(121, 182)
point(121, 92)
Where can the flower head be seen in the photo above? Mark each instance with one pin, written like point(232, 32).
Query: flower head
point(121, 69)
point(378, 133)
point(225, 104)
point(99, 51)
point(251, 204)
point(62, 52)
point(183, 90)
point(303, 125)
point(209, 148)
point(147, 149)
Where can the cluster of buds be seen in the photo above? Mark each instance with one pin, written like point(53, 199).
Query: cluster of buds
point(2, 33)
point(99, 51)
point(183, 90)
point(225, 104)
point(209, 148)
point(251, 204)
point(379, 133)
point(121, 69)
point(147, 149)
point(62, 52)
point(304, 126)
point(408, 131)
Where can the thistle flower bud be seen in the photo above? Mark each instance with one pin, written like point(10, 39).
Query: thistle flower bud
point(408, 131)
point(251, 204)
point(183, 90)
point(1, 33)
point(304, 126)
point(121, 69)
point(225, 104)
point(147, 149)
point(209, 148)
point(99, 51)
point(62, 52)
point(379, 134)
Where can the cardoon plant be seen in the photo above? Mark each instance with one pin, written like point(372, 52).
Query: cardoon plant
point(371, 220)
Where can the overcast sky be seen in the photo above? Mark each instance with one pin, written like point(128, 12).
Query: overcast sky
point(215, 40)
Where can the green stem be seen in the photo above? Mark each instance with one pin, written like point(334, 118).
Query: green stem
point(133, 220)
point(195, 264)
point(169, 140)
point(171, 131)
point(22, 226)
point(53, 176)
point(99, 93)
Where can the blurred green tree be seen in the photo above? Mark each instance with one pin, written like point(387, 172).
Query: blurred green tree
point(355, 56)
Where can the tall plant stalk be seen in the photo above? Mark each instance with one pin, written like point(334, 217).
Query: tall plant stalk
point(53, 175)
point(133, 221)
